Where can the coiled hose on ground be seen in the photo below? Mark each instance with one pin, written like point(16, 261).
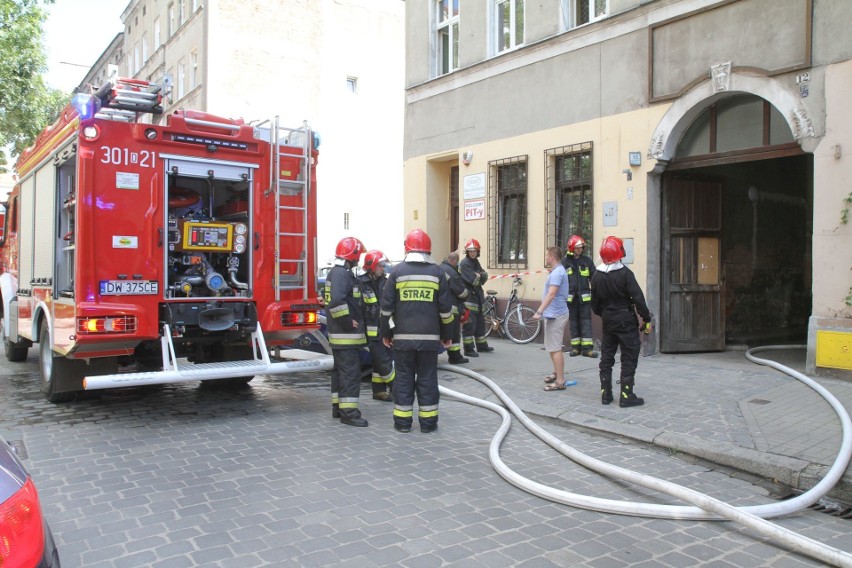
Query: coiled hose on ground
point(705, 507)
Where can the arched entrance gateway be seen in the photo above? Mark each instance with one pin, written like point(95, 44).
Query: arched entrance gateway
point(735, 192)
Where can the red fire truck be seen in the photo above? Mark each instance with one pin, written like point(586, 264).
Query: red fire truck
point(138, 254)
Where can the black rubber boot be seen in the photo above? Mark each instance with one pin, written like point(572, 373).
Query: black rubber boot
point(484, 347)
point(383, 396)
point(574, 352)
point(455, 358)
point(352, 418)
point(590, 354)
point(606, 390)
point(404, 428)
point(470, 353)
point(335, 411)
point(628, 398)
point(428, 428)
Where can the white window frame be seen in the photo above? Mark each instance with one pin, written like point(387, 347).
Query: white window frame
point(172, 21)
point(137, 65)
point(497, 39)
point(569, 13)
point(196, 4)
point(157, 37)
point(182, 15)
point(445, 25)
point(193, 69)
point(181, 79)
point(144, 48)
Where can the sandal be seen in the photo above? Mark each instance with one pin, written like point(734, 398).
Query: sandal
point(551, 378)
point(555, 387)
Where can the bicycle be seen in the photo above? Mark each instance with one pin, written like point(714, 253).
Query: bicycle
point(517, 322)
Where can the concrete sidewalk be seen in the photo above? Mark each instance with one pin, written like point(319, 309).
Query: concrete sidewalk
point(716, 406)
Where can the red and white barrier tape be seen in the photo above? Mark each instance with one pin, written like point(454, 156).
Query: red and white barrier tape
point(517, 274)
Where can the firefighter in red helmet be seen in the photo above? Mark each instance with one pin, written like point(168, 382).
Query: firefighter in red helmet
point(460, 294)
point(372, 283)
point(617, 299)
point(418, 299)
point(580, 270)
point(474, 276)
point(345, 331)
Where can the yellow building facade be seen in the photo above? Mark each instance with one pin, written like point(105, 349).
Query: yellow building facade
point(709, 135)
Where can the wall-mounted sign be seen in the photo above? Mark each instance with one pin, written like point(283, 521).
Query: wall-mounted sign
point(474, 186)
point(474, 210)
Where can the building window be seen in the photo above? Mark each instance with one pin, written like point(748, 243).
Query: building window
point(196, 4)
point(193, 69)
point(181, 11)
point(157, 39)
point(508, 24)
point(181, 80)
point(172, 21)
point(507, 219)
point(136, 56)
point(578, 12)
point(351, 84)
point(569, 194)
point(144, 48)
point(447, 35)
point(346, 221)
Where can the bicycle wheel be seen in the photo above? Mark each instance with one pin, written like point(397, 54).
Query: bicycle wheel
point(520, 325)
point(489, 316)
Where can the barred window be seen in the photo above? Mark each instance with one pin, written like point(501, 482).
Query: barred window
point(507, 219)
point(569, 189)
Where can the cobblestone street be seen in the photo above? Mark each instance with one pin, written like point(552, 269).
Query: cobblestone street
point(191, 476)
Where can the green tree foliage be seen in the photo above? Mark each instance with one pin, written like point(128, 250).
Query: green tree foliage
point(27, 104)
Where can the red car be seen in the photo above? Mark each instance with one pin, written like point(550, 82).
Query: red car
point(25, 538)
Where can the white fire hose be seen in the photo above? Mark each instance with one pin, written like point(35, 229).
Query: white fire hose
point(705, 507)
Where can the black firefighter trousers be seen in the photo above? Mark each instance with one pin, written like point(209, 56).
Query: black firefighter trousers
point(346, 381)
point(624, 335)
point(416, 371)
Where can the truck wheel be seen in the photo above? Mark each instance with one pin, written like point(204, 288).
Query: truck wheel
point(14, 353)
point(52, 367)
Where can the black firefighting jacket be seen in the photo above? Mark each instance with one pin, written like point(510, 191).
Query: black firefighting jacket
point(417, 297)
point(457, 288)
point(371, 293)
point(468, 268)
point(343, 308)
point(618, 297)
point(580, 271)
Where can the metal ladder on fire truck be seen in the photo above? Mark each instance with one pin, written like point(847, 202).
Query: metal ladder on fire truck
point(291, 145)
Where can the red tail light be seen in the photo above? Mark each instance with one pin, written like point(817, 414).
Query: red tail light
point(298, 318)
point(21, 531)
point(112, 324)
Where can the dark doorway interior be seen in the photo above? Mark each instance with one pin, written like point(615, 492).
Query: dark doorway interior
point(766, 248)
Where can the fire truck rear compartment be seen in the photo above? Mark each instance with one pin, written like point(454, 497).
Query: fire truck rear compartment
point(209, 227)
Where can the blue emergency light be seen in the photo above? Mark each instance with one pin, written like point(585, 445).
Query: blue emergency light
point(86, 105)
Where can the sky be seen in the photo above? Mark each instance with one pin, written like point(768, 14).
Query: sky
point(76, 33)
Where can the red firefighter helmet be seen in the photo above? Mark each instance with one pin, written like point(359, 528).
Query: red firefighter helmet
point(372, 259)
point(612, 250)
point(418, 241)
point(349, 248)
point(575, 241)
point(472, 244)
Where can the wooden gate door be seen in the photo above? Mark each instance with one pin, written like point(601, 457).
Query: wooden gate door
point(692, 316)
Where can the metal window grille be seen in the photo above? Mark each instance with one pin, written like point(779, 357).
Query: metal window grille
point(507, 213)
point(569, 203)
